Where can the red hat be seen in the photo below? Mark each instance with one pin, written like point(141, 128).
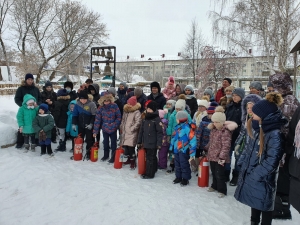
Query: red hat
point(171, 80)
point(132, 101)
point(147, 102)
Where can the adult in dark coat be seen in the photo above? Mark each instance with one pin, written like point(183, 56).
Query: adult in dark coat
point(68, 86)
point(49, 97)
point(141, 97)
point(294, 162)
point(122, 92)
point(93, 89)
point(27, 87)
point(283, 84)
point(156, 95)
point(191, 100)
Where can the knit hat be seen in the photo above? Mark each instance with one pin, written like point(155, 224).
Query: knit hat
point(155, 84)
point(203, 103)
point(209, 92)
point(48, 83)
point(240, 92)
point(172, 102)
point(30, 101)
point(138, 91)
point(161, 113)
point(219, 115)
point(112, 91)
point(44, 107)
point(132, 101)
point(267, 106)
point(282, 83)
point(229, 88)
point(146, 103)
point(256, 85)
point(68, 84)
point(124, 84)
point(152, 105)
point(61, 92)
point(229, 80)
point(89, 81)
point(182, 116)
point(180, 104)
point(189, 87)
point(212, 107)
point(29, 75)
point(171, 80)
point(269, 84)
point(83, 95)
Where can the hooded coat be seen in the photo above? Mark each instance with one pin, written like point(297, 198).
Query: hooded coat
point(258, 175)
point(61, 107)
point(49, 95)
point(169, 91)
point(96, 96)
point(141, 99)
point(69, 122)
point(26, 89)
point(172, 122)
point(182, 87)
point(43, 122)
point(130, 125)
point(25, 116)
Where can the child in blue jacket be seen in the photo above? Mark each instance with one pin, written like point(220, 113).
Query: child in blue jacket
point(70, 132)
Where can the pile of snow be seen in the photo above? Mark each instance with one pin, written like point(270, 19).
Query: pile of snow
point(137, 78)
point(8, 121)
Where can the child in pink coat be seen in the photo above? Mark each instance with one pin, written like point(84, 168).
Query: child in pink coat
point(169, 91)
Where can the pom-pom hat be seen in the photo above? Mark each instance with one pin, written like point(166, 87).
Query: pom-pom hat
point(182, 116)
point(219, 115)
point(132, 101)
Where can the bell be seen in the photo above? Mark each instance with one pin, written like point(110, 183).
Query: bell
point(109, 55)
point(93, 52)
point(107, 70)
point(97, 69)
point(98, 52)
point(102, 53)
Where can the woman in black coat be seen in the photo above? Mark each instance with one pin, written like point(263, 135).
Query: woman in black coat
point(191, 101)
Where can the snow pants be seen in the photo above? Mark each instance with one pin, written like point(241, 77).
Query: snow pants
point(151, 162)
point(29, 136)
point(113, 143)
point(182, 166)
point(163, 157)
point(87, 135)
point(219, 178)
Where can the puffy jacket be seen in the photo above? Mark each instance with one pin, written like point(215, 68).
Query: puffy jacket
point(49, 95)
point(43, 122)
point(84, 114)
point(25, 89)
point(258, 175)
point(96, 96)
point(25, 116)
point(160, 100)
point(202, 133)
point(60, 111)
point(234, 113)
point(184, 139)
point(165, 141)
point(151, 131)
point(172, 122)
point(69, 122)
point(130, 125)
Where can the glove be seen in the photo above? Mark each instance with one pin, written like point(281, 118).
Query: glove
point(42, 136)
point(139, 146)
point(193, 164)
point(74, 127)
point(221, 162)
point(89, 127)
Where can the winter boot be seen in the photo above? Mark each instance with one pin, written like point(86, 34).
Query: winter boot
point(254, 223)
point(128, 161)
point(227, 175)
point(235, 176)
point(132, 163)
point(26, 147)
point(43, 150)
point(59, 146)
point(112, 159)
point(49, 150)
point(33, 147)
point(105, 157)
point(171, 169)
point(184, 182)
point(282, 208)
point(177, 180)
point(63, 146)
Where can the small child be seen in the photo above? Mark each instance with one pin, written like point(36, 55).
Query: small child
point(25, 116)
point(69, 131)
point(169, 108)
point(218, 150)
point(202, 106)
point(150, 137)
point(163, 152)
point(184, 144)
point(42, 125)
point(169, 91)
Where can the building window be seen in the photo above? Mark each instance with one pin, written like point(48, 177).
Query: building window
point(244, 71)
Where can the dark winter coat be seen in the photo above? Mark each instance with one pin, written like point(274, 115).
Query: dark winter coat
point(120, 105)
point(60, 111)
point(49, 95)
point(122, 95)
point(43, 122)
point(25, 89)
point(191, 101)
point(202, 133)
point(160, 100)
point(73, 95)
point(234, 113)
point(142, 99)
point(258, 175)
point(84, 114)
point(151, 131)
point(96, 96)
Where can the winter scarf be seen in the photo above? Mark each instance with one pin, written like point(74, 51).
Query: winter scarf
point(189, 96)
point(297, 141)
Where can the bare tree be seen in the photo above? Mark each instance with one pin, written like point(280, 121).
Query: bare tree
point(5, 6)
point(265, 26)
point(125, 70)
point(192, 49)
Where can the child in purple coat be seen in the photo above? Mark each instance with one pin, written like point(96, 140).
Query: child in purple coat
point(163, 152)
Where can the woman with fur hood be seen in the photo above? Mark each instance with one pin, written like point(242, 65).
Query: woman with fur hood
point(260, 160)
point(130, 125)
point(169, 91)
point(219, 149)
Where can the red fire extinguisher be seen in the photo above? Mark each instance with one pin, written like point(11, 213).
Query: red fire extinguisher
point(203, 172)
point(94, 152)
point(78, 144)
point(142, 161)
point(119, 158)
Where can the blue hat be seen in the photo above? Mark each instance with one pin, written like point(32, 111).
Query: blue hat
point(61, 92)
point(263, 108)
point(44, 107)
point(239, 91)
point(29, 75)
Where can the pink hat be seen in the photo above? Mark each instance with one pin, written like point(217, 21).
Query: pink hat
point(171, 80)
point(161, 113)
point(132, 101)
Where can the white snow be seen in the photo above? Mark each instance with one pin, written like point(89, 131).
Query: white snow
point(42, 190)
point(4, 73)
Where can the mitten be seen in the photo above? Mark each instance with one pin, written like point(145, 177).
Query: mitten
point(193, 164)
point(89, 127)
point(74, 127)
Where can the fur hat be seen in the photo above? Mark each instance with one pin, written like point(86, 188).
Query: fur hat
point(209, 92)
point(104, 97)
point(48, 83)
point(68, 84)
point(180, 104)
point(240, 92)
point(267, 106)
point(61, 92)
point(112, 91)
point(161, 113)
point(83, 95)
point(203, 103)
point(152, 105)
point(171, 80)
point(229, 80)
point(155, 84)
point(182, 116)
point(89, 81)
point(256, 85)
point(219, 115)
point(44, 107)
point(138, 91)
point(229, 88)
point(172, 102)
point(282, 83)
point(124, 84)
point(132, 101)
point(29, 75)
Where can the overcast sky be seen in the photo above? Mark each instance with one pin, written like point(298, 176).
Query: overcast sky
point(151, 27)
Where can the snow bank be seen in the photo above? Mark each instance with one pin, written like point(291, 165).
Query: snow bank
point(8, 121)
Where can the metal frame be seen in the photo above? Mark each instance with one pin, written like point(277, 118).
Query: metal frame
point(113, 84)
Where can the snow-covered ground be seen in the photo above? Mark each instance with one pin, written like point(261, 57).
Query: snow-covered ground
point(42, 190)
